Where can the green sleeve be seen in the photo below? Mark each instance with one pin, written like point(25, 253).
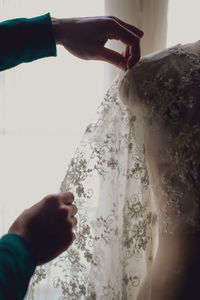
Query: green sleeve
point(16, 267)
point(24, 40)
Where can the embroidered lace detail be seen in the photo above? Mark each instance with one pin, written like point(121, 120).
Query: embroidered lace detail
point(109, 179)
point(166, 92)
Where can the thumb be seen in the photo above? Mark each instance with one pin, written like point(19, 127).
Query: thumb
point(114, 58)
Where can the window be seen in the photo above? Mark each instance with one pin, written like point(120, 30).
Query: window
point(45, 107)
point(183, 22)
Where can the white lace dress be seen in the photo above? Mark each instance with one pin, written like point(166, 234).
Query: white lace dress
point(135, 175)
point(163, 91)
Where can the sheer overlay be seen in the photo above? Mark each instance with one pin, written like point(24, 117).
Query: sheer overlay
point(134, 176)
point(163, 91)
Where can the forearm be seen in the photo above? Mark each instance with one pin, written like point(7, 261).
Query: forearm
point(25, 40)
point(16, 267)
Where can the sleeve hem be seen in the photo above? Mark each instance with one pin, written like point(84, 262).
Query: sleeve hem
point(26, 40)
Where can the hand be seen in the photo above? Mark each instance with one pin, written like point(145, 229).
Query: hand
point(86, 38)
point(47, 226)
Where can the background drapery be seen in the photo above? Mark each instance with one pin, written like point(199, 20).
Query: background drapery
point(35, 142)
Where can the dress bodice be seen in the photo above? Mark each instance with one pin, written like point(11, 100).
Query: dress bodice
point(163, 92)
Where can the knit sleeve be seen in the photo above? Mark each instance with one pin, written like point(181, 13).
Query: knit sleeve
point(24, 40)
point(16, 267)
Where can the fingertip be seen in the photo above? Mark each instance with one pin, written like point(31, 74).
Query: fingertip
point(67, 197)
point(74, 236)
point(71, 195)
point(123, 66)
point(75, 222)
point(136, 31)
point(113, 58)
point(132, 62)
point(141, 34)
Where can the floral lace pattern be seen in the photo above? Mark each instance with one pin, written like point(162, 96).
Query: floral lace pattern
point(113, 248)
point(167, 98)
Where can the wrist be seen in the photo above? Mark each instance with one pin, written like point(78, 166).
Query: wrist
point(63, 29)
point(56, 29)
point(60, 29)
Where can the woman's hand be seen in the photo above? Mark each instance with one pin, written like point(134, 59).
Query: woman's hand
point(86, 38)
point(48, 226)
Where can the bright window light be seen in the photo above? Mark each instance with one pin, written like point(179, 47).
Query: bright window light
point(183, 22)
point(45, 107)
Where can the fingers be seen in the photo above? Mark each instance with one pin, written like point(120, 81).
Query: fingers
point(74, 236)
point(126, 52)
point(132, 28)
point(114, 58)
point(134, 57)
point(118, 32)
point(72, 210)
point(130, 39)
point(74, 221)
point(125, 61)
point(69, 210)
point(67, 197)
point(68, 213)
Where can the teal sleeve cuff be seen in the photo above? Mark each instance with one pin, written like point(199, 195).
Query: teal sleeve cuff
point(16, 266)
point(25, 40)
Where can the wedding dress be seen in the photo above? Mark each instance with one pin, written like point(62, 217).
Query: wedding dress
point(135, 177)
point(163, 92)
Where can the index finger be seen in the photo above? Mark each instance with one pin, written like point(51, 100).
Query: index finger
point(67, 197)
point(135, 56)
point(118, 32)
point(130, 27)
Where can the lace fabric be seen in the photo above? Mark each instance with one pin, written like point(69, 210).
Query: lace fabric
point(113, 247)
point(134, 175)
point(163, 90)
